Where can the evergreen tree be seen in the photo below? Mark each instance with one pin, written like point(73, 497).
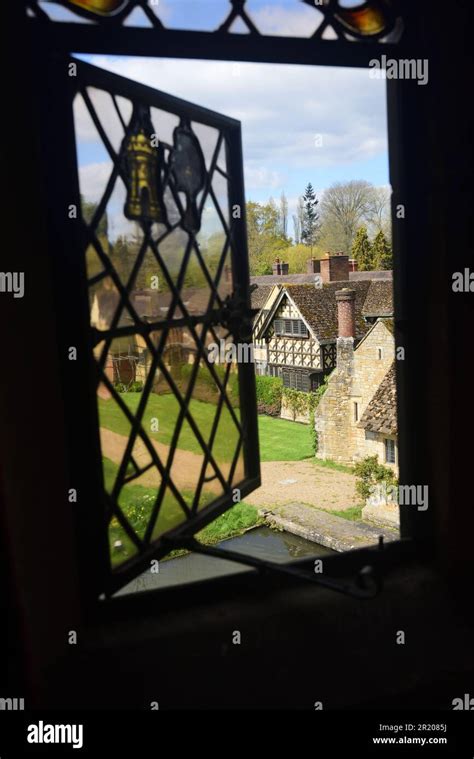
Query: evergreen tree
point(310, 223)
point(382, 252)
point(362, 251)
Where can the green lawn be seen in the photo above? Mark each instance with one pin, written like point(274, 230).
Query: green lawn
point(165, 409)
point(353, 513)
point(280, 440)
point(137, 501)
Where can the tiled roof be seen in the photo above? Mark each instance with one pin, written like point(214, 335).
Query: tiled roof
point(260, 295)
point(318, 306)
point(358, 275)
point(283, 279)
point(379, 301)
point(308, 279)
point(381, 413)
point(152, 304)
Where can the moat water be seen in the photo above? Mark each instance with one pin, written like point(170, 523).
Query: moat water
point(260, 542)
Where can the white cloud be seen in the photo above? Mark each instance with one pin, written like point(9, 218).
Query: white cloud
point(281, 107)
point(272, 19)
point(260, 177)
point(92, 180)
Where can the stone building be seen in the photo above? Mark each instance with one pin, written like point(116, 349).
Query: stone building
point(296, 331)
point(356, 416)
point(306, 304)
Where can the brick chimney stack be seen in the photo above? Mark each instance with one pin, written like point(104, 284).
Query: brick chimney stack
point(335, 268)
point(313, 266)
point(345, 300)
point(280, 268)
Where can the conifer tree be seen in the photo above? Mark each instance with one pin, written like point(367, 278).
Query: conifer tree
point(362, 251)
point(382, 252)
point(310, 225)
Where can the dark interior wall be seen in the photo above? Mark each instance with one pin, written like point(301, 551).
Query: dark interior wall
point(299, 646)
point(433, 165)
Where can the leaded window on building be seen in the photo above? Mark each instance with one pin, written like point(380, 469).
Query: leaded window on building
point(296, 379)
point(390, 454)
point(290, 328)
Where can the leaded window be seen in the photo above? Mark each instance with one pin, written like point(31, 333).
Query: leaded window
point(176, 440)
point(390, 456)
point(143, 315)
point(290, 328)
point(297, 380)
point(327, 20)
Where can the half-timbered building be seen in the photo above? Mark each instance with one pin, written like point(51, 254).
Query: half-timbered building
point(297, 335)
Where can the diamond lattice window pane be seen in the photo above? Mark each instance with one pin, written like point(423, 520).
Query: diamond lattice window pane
point(160, 259)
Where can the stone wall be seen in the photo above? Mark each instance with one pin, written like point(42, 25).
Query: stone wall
point(354, 381)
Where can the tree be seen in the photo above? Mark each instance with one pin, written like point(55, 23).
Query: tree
point(298, 221)
point(283, 214)
point(382, 252)
point(89, 208)
point(265, 239)
point(378, 215)
point(362, 251)
point(310, 227)
point(271, 217)
point(344, 207)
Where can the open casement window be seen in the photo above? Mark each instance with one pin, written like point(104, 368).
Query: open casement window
point(143, 303)
point(178, 430)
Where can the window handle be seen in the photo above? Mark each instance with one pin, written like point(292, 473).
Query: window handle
point(365, 584)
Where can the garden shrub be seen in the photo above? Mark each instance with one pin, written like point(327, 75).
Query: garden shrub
point(370, 473)
point(269, 394)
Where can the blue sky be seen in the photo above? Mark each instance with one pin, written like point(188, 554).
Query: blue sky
point(291, 17)
point(300, 124)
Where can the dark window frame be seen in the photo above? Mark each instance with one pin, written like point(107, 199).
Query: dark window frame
point(49, 41)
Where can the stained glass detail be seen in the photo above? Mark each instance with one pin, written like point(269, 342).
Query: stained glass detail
point(161, 297)
point(188, 171)
point(376, 20)
point(366, 20)
point(142, 167)
point(99, 6)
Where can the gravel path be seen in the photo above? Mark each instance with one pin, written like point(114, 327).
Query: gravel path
point(282, 481)
point(306, 482)
point(185, 470)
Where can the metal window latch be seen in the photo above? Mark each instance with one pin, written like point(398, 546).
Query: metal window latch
point(365, 584)
point(236, 317)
